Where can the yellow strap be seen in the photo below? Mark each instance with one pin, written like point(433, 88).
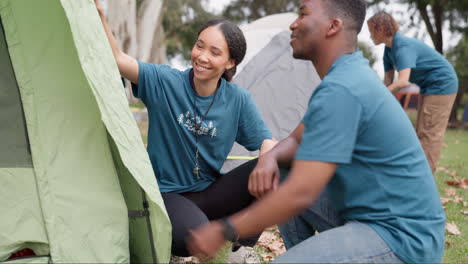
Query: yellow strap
point(241, 158)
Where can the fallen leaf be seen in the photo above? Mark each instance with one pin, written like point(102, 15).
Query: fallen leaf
point(459, 183)
point(444, 200)
point(440, 169)
point(457, 142)
point(267, 237)
point(452, 173)
point(267, 257)
point(448, 244)
point(465, 212)
point(272, 243)
point(450, 191)
point(452, 228)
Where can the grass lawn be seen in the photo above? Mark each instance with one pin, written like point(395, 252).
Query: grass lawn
point(453, 166)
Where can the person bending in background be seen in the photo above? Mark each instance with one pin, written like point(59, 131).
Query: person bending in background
point(195, 116)
point(420, 64)
point(358, 173)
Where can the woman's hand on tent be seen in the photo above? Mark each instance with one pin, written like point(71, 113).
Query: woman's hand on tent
point(265, 177)
point(205, 241)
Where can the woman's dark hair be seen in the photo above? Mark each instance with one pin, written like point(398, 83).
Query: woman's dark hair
point(384, 22)
point(235, 40)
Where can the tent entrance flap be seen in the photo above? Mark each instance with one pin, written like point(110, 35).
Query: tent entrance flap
point(14, 143)
point(142, 240)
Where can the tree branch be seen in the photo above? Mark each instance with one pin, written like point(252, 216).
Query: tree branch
point(425, 16)
point(438, 11)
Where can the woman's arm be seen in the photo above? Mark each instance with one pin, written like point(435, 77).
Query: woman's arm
point(401, 82)
point(128, 66)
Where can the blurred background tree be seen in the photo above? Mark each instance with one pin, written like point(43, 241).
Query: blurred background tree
point(181, 21)
point(246, 11)
point(458, 56)
point(367, 52)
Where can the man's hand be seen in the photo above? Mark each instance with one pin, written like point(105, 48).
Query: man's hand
point(265, 177)
point(206, 240)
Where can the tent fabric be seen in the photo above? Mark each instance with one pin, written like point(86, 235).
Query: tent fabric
point(260, 32)
point(21, 223)
point(75, 110)
point(280, 85)
point(13, 136)
point(31, 260)
point(21, 216)
point(103, 76)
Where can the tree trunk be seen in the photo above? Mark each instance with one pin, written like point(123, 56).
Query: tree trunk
point(461, 92)
point(435, 31)
point(137, 26)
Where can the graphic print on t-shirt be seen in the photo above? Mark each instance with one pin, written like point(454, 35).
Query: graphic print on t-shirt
point(189, 122)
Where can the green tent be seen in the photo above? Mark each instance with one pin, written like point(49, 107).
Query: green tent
point(76, 182)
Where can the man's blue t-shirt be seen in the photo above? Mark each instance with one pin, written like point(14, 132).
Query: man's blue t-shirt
point(429, 69)
point(170, 99)
point(383, 178)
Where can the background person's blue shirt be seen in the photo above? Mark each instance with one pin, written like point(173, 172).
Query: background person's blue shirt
point(169, 97)
point(383, 178)
point(429, 69)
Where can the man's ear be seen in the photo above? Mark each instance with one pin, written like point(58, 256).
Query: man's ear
point(336, 26)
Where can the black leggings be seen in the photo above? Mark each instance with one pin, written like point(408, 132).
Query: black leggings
point(226, 196)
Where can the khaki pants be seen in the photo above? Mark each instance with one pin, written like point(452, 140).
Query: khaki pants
point(433, 115)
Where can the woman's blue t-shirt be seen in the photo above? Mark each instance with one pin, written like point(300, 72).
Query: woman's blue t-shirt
point(429, 69)
point(383, 178)
point(169, 97)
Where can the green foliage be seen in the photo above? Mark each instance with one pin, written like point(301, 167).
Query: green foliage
point(458, 56)
point(367, 52)
point(453, 166)
point(250, 10)
point(182, 20)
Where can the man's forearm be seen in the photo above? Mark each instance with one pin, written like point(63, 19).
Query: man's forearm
point(304, 184)
point(260, 215)
point(284, 152)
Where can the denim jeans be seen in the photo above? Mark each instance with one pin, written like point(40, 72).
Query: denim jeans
point(337, 241)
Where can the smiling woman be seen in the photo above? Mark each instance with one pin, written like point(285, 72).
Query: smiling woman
point(195, 116)
point(221, 44)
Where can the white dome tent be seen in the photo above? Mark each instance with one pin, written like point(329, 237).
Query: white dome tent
point(280, 85)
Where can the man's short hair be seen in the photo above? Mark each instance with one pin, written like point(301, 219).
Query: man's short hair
point(353, 12)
